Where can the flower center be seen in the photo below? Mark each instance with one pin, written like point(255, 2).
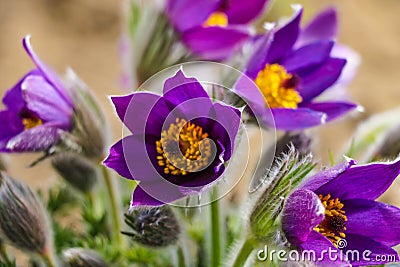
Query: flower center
point(278, 87)
point(217, 18)
point(334, 224)
point(183, 148)
point(31, 122)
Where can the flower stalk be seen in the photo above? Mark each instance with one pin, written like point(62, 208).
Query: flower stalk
point(244, 252)
point(111, 190)
point(215, 230)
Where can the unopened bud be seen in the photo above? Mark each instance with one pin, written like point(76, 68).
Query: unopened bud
point(76, 170)
point(80, 257)
point(390, 147)
point(288, 172)
point(300, 141)
point(153, 226)
point(23, 220)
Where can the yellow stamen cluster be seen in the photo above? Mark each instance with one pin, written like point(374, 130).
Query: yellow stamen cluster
point(31, 122)
point(278, 87)
point(334, 223)
point(183, 148)
point(216, 19)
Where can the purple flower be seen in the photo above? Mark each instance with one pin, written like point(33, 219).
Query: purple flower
point(290, 68)
point(336, 209)
point(179, 143)
point(213, 29)
point(38, 109)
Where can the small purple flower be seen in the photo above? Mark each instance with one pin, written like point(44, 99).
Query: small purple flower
point(179, 143)
point(290, 68)
point(213, 29)
point(336, 209)
point(38, 109)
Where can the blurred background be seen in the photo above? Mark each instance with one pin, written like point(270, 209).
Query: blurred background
point(84, 35)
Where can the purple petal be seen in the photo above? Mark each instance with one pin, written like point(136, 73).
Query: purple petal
point(214, 43)
point(302, 212)
point(363, 244)
point(190, 88)
point(376, 220)
point(12, 126)
point(116, 161)
point(259, 59)
point(285, 37)
point(43, 100)
point(308, 56)
point(187, 14)
point(242, 12)
point(39, 138)
point(134, 111)
point(323, 177)
point(333, 110)
point(314, 83)
point(141, 198)
point(130, 158)
point(13, 99)
point(227, 122)
point(323, 26)
point(49, 74)
point(323, 248)
point(362, 181)
point(296, 119)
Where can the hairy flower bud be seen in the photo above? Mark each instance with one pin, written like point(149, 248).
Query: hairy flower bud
point(390, 147)
point(276, 186)
point(23, 220)
point(80, 257)
point(154, 227)
point(76, 170)
point(300, 141)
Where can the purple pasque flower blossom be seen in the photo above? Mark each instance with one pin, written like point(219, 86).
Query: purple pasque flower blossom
point(340, 204)
point(38, 109)
point(290, 68)
point(213, 29)
point(179, 143)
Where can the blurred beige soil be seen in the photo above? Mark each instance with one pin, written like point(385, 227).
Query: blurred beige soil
point(84, 35)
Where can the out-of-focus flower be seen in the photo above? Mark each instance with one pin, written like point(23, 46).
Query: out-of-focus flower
point(290, 68)
point(154, 227)
point(38, 109)
point(179, 143)
point(76, 170)
point(80, 257)
point(23, 219)
point(213, 29)
point(336, 209)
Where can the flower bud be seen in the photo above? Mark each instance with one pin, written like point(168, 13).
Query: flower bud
point(76, 170)
point(390, 147)
point(288, 172)
point(80, 257)
point(300, 141)
point(90, 132)
point(154, 227)
point(23, 220)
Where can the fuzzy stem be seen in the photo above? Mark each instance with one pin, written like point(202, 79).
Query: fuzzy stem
point(114, 205)
point(181, 256)
point(49, 259)
point(215, 231)
point(244, 253)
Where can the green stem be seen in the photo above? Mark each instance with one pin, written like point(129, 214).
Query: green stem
point(215, 230)
point(244, 253)
point(181, 257)
point(3, 252)
point(114, 205)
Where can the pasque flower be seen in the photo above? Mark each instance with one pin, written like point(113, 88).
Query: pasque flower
point(38, 109)
point(290, 68)
point(213, 29)
point(340, 204)
point(179, 143)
